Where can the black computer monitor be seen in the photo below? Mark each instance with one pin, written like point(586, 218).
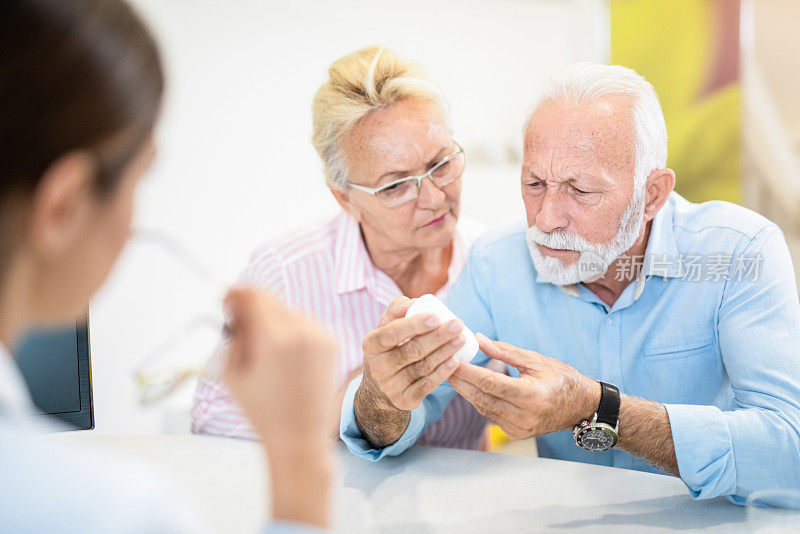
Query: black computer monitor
point(56, 365)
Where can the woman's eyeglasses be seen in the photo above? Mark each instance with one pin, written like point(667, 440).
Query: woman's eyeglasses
point(398, 192)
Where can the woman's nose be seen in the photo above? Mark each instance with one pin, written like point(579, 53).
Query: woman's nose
point(430, 196)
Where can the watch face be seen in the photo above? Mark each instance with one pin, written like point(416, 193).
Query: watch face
point(596, 439)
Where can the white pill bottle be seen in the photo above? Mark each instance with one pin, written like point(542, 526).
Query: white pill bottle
point(430, 304)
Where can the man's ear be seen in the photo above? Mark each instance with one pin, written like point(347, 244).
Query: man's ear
point(659, 185)
point(343, 198)
point(61, 203)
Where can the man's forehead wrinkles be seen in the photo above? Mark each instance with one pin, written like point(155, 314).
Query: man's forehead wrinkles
point(563, 144)
point(573, 170)
point(554, 169)
point(568, 154)
point(562, 157)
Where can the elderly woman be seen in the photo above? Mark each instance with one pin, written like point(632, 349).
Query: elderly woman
point(390, 159)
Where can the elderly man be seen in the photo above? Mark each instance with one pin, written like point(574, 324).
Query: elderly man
point(667, 334)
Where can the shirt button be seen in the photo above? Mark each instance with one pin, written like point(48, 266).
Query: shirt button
point(610, 320)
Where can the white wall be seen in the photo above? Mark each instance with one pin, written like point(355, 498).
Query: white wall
point(236, 165)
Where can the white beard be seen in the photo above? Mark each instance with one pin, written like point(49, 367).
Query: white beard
point(595, 258)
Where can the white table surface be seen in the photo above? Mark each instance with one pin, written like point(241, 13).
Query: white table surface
point(430, 490)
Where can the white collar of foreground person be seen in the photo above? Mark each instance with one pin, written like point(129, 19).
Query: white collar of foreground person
point(660, 254)
point(355, 270)
point(15, 398)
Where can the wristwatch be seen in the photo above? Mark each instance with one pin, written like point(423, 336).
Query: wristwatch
point(600, 434)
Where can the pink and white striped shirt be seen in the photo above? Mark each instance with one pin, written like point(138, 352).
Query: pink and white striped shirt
point(327, 273)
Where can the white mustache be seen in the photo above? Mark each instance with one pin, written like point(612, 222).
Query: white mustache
point(561, 240)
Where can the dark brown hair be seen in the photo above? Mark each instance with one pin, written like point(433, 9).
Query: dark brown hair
point(74, 75)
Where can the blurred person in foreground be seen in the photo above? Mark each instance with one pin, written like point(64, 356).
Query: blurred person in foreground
point(80, 88)
point(384, 135)
point(640, 330)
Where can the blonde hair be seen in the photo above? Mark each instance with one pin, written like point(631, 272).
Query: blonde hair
point(361, 82)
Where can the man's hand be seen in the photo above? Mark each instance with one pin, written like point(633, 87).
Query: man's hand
point(280, 369)
point(548, 396)
point(405, 359)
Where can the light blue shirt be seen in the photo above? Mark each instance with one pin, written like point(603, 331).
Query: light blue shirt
point(720, 349)
point(49, 487)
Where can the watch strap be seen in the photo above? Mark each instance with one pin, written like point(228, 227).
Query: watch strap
point(608, 411)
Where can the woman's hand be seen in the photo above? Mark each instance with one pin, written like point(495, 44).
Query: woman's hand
point(280, 368)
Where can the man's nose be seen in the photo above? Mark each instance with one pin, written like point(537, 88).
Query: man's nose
point(552, 215)
point(429, 196)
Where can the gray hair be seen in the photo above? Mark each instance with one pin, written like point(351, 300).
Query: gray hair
point(588, 82)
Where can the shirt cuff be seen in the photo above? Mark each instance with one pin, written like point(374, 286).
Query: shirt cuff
point(290, 527)
point(704, 449)
point(351, 435)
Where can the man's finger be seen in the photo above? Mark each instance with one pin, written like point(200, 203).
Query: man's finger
point(396, 310)
point(392, 335)
point(506, 415)
point(512, 429)
point(423, 345)
point(423, 387)
point(426, 365)
point(507, 353)
point(490, 382)
point(494, 408)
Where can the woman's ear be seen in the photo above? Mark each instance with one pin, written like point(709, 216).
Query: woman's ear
point(343, 198)
point(660, 184)
point(61, 203)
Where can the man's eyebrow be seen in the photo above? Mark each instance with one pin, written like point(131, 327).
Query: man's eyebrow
point(403, 174)
point(533, 176)
point(601, 180)
point(595, 180)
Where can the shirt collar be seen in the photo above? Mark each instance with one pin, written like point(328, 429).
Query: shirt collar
point(661, 254)
point(15, 397)
point(355, 271)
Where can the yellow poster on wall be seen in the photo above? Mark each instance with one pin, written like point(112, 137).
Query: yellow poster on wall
point(689, 51)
